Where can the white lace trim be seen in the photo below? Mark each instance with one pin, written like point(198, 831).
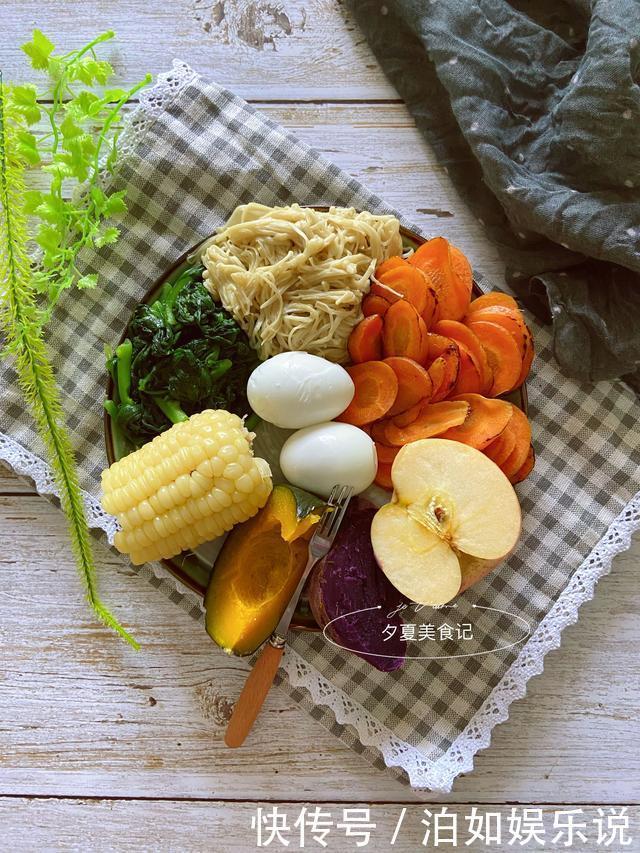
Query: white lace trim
point(153, 103)
point(436, 775)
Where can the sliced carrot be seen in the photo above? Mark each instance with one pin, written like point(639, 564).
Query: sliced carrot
point(365, 341)
point(414, 383)
point(462, 268)
point(527, 467)
point(383, 476)
point(437, 371)
point(509, 318)
point(409, 416)
point(496, 297)
point(528, 357)
point(521, 428)
point(389, 264)
point(500, 448)
point(434, 419)
point(378, 430)
point(446, 368)
point(431, 307)
point(443, 362)
point(502, 352)
point(373, 304)
point(485, 421)
point(386, 453)
point(385, 291)
point(437, 345)
point(408, 281)
point(453, 286)
point(468, 380)
point(404, 333)
point(376, 389)
point(461, 334)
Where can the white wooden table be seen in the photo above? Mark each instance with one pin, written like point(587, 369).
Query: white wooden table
point(103, 748)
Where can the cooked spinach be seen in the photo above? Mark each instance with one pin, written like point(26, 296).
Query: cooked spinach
point(183, 353)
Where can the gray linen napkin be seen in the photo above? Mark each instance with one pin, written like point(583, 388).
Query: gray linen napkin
point(192, 152)
point(534, 110)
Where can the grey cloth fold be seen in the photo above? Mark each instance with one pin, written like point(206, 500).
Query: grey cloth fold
point(534, 109)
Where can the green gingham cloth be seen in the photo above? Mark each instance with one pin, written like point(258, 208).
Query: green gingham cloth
point(191, 153)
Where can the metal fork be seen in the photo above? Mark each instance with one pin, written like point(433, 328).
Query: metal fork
point(264, 670)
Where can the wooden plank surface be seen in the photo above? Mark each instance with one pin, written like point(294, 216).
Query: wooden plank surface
point(309, 51)
point(81, 712)
point(103, 748)
point(190, 826)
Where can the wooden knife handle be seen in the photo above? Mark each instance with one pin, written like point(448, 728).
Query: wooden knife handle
point(253, 695)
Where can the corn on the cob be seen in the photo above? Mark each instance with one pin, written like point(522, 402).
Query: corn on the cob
point(187, 486)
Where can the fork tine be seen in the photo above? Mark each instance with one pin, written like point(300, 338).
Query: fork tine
point(333, 514)
point(341, 508)
point(329, 512)
point(336, 491)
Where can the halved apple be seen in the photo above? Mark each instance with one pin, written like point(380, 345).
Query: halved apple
point(453, 517)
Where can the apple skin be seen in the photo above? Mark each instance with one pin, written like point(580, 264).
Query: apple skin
point(474, 569)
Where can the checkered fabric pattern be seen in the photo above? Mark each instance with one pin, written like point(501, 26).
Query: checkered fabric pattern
point(208, 151)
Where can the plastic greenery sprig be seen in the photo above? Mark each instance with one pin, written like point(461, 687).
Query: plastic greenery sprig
point(80, 143)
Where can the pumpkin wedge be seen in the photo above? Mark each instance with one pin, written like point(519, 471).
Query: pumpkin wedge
point(258, 570)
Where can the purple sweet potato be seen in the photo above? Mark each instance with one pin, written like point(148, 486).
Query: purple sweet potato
point(349, 579)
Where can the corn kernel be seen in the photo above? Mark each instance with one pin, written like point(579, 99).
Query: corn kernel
point(187, 486)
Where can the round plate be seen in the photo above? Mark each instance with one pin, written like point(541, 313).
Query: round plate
point(193, 568)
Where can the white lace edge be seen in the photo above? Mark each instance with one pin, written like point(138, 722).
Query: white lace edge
point(422, 773)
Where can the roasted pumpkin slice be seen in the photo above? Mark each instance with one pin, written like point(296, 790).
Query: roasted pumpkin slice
point(258, 569)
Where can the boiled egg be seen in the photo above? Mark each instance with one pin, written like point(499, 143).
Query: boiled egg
point(322, 456)
point(297, 389)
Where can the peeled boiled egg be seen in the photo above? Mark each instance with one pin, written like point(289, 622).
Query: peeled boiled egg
point(319, 457)
point(297, 389)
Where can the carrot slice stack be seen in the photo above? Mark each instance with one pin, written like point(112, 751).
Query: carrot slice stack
point(502, 352)
point(500, 448)
point(527, 467)
point(404, 333)
point(450, 272)
point(365, 341)
point(386, 453)
point(414, 383)
point(376, 389)
point(485, 421)
point(383, 476)
point(493, 298)
point(443, 365)
point(434, 419)
point(464, 336)
point(373, 304)
point(429, 361)
point(409, 282)
point(521, 428)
